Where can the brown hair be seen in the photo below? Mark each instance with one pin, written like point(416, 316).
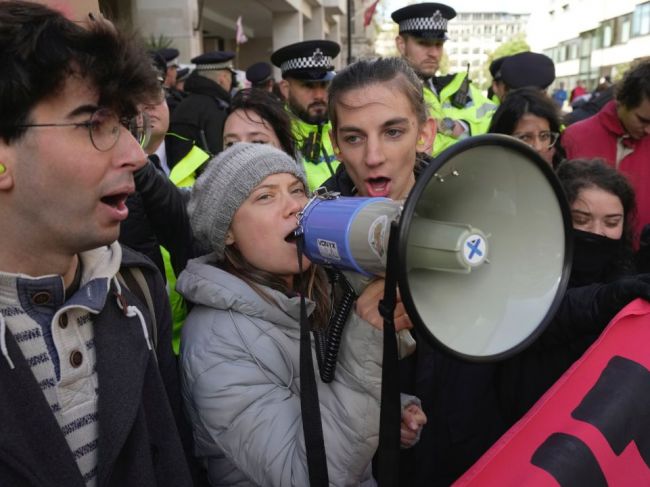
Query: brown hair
point(40, 49)
point(312, 284)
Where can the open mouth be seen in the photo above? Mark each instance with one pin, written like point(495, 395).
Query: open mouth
point(378, 186)
point(116, 200)
point(292, 236)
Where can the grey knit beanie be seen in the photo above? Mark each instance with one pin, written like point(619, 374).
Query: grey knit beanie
point(224, 185)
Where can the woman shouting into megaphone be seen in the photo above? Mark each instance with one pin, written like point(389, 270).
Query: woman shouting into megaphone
point(241, 355)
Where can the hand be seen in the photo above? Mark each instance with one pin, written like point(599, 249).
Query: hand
point(367, 307)
point(449, 126)
point(413, 419)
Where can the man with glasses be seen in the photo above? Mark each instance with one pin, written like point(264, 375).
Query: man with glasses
point(620, 134)
point(88, 390)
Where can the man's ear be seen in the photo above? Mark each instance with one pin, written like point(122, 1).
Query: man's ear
point(426, 136)
point(7, 160)
point(284, 88)
point(400, 43)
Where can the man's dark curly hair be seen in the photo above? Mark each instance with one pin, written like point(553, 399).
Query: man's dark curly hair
point(635, 85)
point(40, 49)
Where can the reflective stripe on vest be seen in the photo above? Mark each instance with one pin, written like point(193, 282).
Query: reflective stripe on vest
point(182, 174)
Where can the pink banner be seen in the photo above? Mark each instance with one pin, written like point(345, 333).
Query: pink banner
point(592, 427)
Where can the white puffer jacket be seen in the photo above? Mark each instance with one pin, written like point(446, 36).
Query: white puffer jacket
point(240, 374)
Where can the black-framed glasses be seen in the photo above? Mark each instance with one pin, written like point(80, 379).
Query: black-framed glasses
point(546, 137)
point(104, 128)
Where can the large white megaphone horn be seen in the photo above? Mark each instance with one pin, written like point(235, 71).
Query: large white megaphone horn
point(483, 245)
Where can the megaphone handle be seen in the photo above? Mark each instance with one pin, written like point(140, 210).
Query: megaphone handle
point(390, 415)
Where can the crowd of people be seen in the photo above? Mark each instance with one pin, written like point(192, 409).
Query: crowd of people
point(158, 323)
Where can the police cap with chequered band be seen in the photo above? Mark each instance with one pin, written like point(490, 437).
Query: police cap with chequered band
point(170, 55)
point(307, 60)
point(427, 20)
point(214, 60)
point(528, 69)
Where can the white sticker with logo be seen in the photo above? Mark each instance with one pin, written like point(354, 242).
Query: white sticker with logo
point(328, 249)
point(377, 237)
point(475, 249)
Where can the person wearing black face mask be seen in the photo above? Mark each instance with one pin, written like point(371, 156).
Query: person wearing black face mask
point(603, 210)
point(603, 280)
point(597, 258)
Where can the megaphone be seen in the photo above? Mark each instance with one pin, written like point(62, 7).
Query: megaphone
point(483, 250)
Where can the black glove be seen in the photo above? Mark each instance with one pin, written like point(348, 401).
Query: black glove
point(614, 296)
point(587, 310)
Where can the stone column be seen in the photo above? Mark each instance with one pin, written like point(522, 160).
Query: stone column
point(315, 28)
point(175, 19)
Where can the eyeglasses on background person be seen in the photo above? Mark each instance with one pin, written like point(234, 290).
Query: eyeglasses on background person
point(104, 128)
point(546, 138)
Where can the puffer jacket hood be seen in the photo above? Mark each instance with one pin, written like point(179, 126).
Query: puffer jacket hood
point(205, 284)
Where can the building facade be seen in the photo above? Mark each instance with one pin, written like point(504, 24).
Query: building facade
point(362, 45)
point(474, 35)
point(592, 39)
point(196, 26)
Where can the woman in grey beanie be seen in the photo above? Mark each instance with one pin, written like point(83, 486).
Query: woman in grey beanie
point(240, 343)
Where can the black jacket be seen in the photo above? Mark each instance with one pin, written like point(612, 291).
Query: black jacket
point(139, 400)
point(157, 216)
point(173, 98)
point(199, 117)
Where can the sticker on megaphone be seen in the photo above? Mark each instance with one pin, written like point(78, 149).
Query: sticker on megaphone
point(349, 233)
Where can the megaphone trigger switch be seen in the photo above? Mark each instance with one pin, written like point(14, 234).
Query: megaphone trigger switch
point(475, 249)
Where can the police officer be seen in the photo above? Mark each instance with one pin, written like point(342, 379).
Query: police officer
point(173, 95)
point(181, 77)
point(459, 107)
point(307, 70)
point(199, 118)
point(260, 76)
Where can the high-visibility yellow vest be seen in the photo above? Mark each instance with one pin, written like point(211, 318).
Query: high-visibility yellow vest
point(320, 163)
point(183, 174)
point(477, 113)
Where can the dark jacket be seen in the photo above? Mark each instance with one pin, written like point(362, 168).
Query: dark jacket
point(138, 402)
point(157, 216)
point(174, 97)
point(199, 117)
point(137, 232)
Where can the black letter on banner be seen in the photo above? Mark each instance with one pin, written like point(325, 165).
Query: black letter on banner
point(570, 461)
point(619, 406)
